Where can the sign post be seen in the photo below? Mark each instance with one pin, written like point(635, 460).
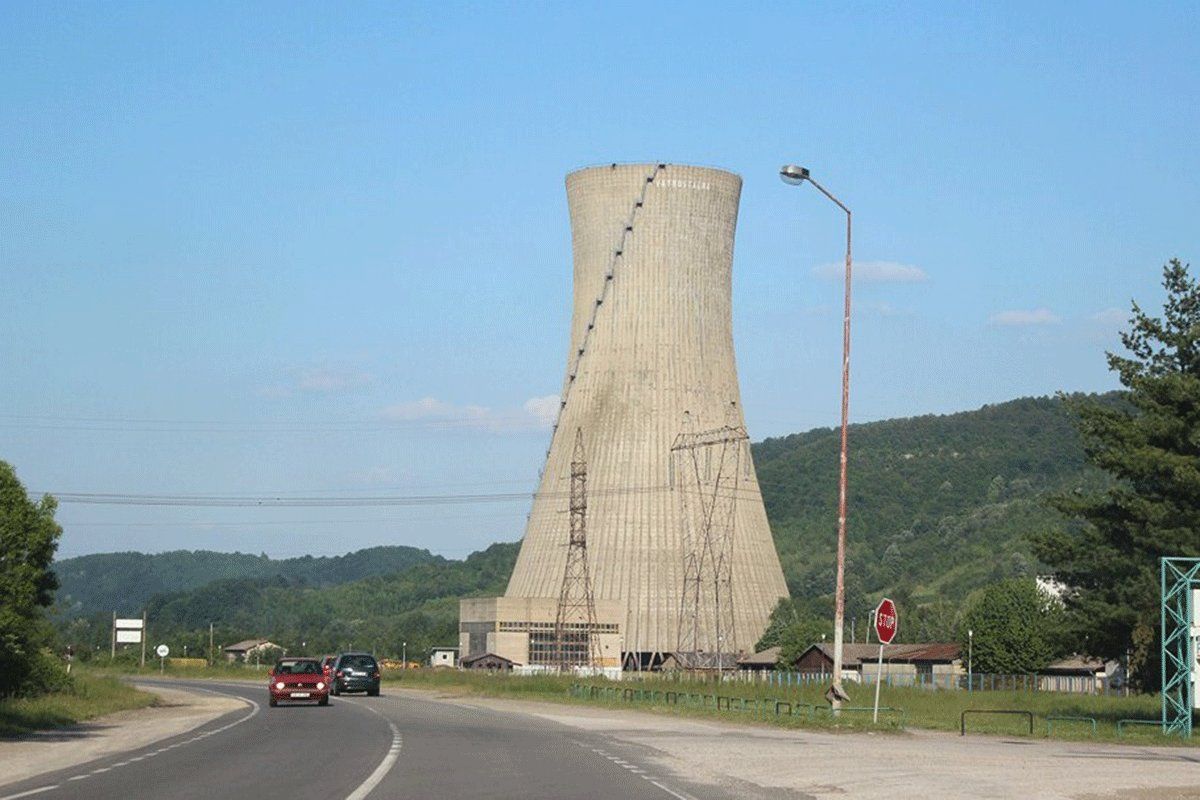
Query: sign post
point(163, 651)
point(886, 622)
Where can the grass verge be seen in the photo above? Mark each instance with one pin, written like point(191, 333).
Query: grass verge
point(805, 707)
point(90, 696)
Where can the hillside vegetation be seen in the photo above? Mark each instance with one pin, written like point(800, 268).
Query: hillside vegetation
point(418, 605)
point(939, 506)
point(124, 582)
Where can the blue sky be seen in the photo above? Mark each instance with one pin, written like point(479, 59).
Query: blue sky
point(311, 251)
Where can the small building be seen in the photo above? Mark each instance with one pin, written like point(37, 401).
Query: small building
point(1082, 674)
point(762, 661)
point(443, 657)
point(902, 663)
point(521, 629)
point(700, 662)
point(250, 649)
point(488, 661)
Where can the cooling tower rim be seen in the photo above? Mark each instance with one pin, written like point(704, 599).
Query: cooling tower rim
point(649, 165)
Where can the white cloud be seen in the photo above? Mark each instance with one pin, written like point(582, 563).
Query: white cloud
point(1111, 317)
point(543, 409)
point(373, 477)
point(536, 412)
point(1022, 317)
point(330, 379)
point(874, 272)
point(434, 409)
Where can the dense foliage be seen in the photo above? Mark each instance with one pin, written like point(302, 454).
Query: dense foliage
point(939, 506)
point(1150, 445)
point(124, 582)
point(28, 538)
point(1018, 628)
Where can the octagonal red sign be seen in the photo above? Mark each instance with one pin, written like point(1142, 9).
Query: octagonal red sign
point(886, 621)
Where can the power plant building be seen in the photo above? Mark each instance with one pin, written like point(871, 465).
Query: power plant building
point(678, 543)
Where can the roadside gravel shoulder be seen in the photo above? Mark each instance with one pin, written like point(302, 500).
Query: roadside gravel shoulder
point(766, 761)
point(179, 710)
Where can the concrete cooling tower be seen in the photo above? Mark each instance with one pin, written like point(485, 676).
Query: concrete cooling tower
point(676, 529)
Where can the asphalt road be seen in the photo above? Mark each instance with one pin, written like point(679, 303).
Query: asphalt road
point(366, 747)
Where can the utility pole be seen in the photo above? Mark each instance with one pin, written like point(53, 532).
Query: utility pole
point(113, 657)
point(145, 633)
point(211, 654)
point(576, 605)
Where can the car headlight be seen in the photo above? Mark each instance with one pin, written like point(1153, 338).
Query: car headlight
point(279, 685)
point(320, 685)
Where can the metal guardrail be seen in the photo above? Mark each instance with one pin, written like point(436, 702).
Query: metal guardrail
point(963, 718)
point(1050, 720)
point(1121, 723)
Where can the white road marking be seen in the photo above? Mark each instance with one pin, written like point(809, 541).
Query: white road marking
point(636, 770)
point(255, 708)
point(393, 753)
point(671, 791)
point(30, 792)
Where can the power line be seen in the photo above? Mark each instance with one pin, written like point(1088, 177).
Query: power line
point(241, 501)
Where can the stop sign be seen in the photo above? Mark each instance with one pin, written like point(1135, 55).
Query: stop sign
point(886, 621)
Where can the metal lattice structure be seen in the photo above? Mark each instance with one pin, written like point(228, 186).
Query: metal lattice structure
point(706, 469)
point(1179, 578)
point(576, 642)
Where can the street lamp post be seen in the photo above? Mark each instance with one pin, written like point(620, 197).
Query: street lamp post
point(970, 658)
point(404, 653)
point(795, 176)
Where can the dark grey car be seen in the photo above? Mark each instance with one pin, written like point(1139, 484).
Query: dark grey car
point(356, 672)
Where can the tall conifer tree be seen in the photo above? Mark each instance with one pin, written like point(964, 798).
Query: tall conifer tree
point(1149, 445)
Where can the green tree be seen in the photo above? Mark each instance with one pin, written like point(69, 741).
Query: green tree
point(28, 539)
point(1016, 627)
point(793, 628)
point(1149, 444)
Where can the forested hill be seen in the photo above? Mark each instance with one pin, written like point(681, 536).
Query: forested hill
point(938, 505)
point(417, 605)
point(124, 582)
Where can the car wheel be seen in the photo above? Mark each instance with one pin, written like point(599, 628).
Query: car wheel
point(273, 702)
point(373, 692)
point(324, 701)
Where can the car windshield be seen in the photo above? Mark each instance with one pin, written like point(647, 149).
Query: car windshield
point(358, 662)
point(297, 668)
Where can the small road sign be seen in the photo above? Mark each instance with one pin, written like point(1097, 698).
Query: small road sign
point(162, 650)
point(886, 621)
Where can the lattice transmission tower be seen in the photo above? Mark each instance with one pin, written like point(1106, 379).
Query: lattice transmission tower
point(706, 468)
point(576, 639)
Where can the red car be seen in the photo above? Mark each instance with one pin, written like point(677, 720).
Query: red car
point(298, 679)
point(327, 666)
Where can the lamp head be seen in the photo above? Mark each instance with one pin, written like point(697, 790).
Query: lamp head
point(792, 174)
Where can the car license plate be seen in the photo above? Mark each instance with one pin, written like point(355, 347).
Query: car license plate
point(300, 694)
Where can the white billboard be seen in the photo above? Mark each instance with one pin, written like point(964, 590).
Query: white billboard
point(1195, 632)
point(129, 637)
point(128, 624)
